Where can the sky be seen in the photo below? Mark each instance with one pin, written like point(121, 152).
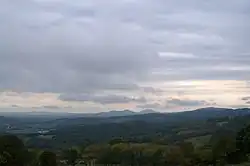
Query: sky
point(96, 55)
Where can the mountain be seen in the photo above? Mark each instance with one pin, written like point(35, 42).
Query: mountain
point(114, 113)
point(38, 114)
point(208, 112)
point(60, 115)
point(212, 112)
point(123, 113)
point(147, 111)
point(125, 116)
point(150, 116)
point(147, 114)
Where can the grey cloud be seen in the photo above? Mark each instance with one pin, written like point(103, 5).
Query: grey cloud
point(245, 98)
point(81, 12)
point(50, 46)
point(101, 99)
point(51, 107)
point(174, 103)
point(9, 93)
point(152, 90)
point(68, 107)
point(16, 93)
point(186, 102)
point(15, 106)
point(150, 106)
point(239, 106)
point(206, 73)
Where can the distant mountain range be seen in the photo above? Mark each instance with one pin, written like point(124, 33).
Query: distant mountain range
point(67, 114)
point(209, 112)
point(123, 113)
point(60, 120)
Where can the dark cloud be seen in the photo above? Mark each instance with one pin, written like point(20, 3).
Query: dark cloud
point(92, 46)
point(101, 99)
point(245, 98)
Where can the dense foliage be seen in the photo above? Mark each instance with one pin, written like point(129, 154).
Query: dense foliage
point(219, 151)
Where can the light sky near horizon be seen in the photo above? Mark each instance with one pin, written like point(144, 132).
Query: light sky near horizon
point(96, 55)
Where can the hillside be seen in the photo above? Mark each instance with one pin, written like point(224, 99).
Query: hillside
point(137, 127)
point(200, 130)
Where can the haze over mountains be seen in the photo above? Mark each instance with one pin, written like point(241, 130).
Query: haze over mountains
point(126, 124)
point(207, 112)
point(112, 113)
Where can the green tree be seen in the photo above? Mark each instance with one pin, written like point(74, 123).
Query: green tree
point(12, 151)
point(5, 157)
point(47, 158)
point(174, 156)
point(203, 156)
point(71, 156)
point(243, 140)
point(33, 157)
point(187, 150)
point(157, 158)
point(222, 148)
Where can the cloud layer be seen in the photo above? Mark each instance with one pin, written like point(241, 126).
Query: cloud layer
point(116, 50)
point(101, 99)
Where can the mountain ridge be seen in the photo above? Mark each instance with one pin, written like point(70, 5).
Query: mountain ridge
point(201, 112)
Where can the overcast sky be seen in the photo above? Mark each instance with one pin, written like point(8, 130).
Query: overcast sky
point(99, 55)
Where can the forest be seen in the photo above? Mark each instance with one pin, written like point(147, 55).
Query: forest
point(145, 140)
point(224, 150)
